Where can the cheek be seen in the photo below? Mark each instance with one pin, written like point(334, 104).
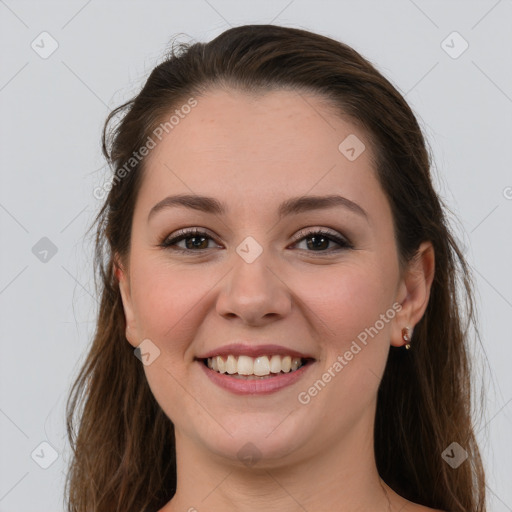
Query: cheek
point(169, 304)
point(349, 308)
point(348, 299)
point(354, 310)
point(168, 301)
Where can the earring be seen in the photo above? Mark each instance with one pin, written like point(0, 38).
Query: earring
point(406, 336)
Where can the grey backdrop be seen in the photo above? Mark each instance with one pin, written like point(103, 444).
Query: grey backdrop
point(66, 64)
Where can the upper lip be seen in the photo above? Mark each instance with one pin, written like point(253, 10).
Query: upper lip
point(240, 349)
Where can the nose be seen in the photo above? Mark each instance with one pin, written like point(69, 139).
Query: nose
point(254, 292)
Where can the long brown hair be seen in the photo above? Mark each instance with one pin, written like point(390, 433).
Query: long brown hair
point(123, 446)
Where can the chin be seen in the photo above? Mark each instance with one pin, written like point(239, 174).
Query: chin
point(258, 442)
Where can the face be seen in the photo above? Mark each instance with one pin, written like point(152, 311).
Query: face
point(261, 274)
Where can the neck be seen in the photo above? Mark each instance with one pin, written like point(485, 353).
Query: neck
point(340, 478)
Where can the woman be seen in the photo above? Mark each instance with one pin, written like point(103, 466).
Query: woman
point(279, 325)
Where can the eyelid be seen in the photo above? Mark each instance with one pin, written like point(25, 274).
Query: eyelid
point(190, 231)
point(319, 229)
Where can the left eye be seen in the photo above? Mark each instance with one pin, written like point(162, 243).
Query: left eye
point(322, 238)
point(199, 240)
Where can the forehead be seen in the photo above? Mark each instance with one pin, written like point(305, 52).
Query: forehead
point(249, 148)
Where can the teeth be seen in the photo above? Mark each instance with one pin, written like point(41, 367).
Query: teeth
point(231, 365)
point(259, 366)
point(245, 365)
point(275, 364)
point(286, 363)
point(221, 365)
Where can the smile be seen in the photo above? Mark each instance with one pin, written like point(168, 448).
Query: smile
point(257, 367)
point(239, 374)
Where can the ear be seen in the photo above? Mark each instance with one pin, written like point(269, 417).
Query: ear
point(414, 291)
point(123, 278)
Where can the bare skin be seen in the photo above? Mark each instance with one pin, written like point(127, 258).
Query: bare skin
point(251, 153)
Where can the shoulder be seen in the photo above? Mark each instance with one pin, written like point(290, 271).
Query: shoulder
point(404, 505)
point(414, 507)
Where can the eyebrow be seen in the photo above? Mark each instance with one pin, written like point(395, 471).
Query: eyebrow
point(294, 205)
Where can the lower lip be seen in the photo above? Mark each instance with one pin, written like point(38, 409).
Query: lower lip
point(254, 386)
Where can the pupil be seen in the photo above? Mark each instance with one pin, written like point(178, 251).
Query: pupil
point(193, 245)
point(322, 238)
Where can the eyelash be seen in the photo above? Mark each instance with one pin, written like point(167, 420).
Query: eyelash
point(167, 243)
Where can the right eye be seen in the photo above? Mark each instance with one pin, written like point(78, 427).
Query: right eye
point(199, 241)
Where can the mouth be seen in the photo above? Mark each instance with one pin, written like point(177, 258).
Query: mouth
point(255, 368)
